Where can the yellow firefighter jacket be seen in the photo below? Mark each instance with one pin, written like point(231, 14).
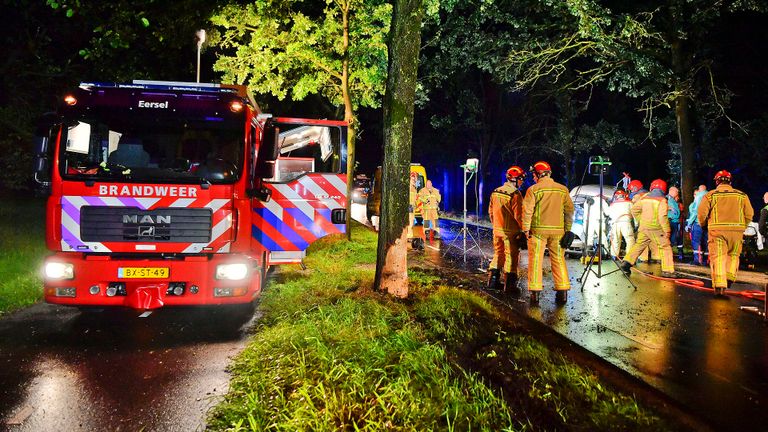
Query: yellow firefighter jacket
point(413, 194)
point(650, 212)
point(429, 197)
point(547, 208)
point(725, 209)
point(506, 210)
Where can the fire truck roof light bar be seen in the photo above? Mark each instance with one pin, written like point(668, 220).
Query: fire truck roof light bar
point(163, 85)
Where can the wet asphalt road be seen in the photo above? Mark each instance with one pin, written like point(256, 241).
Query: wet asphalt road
point(702, 351)
point(62, 370)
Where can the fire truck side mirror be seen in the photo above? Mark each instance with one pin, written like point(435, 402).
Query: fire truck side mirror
point(42, 165)
point(268, 152)
point(42, 158)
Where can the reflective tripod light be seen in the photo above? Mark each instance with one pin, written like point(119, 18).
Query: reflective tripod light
point(471, 168)
point(599, 166)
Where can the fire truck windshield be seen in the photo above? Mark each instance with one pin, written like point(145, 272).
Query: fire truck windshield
point(129, 146)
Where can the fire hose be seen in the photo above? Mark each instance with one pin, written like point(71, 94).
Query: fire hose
point(699, 285)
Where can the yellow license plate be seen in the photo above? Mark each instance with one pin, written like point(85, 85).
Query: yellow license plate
point(142, 272)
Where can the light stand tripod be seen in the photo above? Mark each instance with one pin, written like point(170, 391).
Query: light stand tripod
point(469, 168)
point(600, 164)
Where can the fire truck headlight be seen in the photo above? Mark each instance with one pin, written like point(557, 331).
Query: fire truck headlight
point(237, 271)
point(58, 270)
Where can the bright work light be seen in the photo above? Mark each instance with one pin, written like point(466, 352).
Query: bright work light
point(58, 270)
point(232, 271)
point(471, 165)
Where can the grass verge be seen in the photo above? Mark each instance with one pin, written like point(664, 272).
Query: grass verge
point(329, 354)
point(22, 242)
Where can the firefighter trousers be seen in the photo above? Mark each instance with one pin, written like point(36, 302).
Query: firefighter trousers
point(654, 240)
point(536, 245)
point(622, 230)
point(506, 254)
point(724, 251)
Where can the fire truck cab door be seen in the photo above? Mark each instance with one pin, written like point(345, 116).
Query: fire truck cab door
point(307, 186)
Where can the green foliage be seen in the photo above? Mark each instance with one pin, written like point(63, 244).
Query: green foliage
point(659, 53)
point(330, 356)
point(122, 41)
point(449, 315)
point(327, 358)
point(50, 46)
point(291, 49)
point(562, 389)
point(35, 65)
point(22, 240)
point(603, 135)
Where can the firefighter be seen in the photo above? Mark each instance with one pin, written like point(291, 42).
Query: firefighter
point(636, 193)
point(547, 220)
point(651, 213)
point(725, 212)
point(622, 227)
point(430, 200)
point(412, 203)
point(506, 213)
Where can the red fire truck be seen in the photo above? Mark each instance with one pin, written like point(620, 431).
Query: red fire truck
point(165, 193)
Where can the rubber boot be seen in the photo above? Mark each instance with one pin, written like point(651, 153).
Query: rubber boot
point(626, 267)
point(534, 297)
point(510, 285)
point(493, 279)
point(561, 297)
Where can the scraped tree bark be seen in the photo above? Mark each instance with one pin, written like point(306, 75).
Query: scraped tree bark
point(399, 97)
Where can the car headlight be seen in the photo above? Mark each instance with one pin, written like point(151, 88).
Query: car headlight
point(59, 270)
point(237, 271)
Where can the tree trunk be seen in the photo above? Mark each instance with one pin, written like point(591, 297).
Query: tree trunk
point(404, 44)
point(349, 116)
point(681, 60)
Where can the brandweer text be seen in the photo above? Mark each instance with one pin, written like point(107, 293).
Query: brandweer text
point(173, 191)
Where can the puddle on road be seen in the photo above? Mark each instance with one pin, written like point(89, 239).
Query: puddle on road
point(84, 371)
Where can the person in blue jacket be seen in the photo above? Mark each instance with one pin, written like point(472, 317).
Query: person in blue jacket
point(674, 214)
point(698, 235)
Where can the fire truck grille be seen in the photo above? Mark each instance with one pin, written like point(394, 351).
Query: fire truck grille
point(116, 224)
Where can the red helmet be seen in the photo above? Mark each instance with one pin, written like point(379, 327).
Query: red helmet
point(659, 184)
point(634, 185)
point(541, 167)
point(722, 176)
point(620, 195)
point(515, 172)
